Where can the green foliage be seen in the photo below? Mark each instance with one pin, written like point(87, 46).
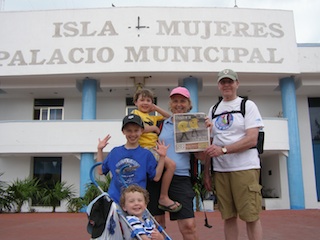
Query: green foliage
point(23, 190)
point(53, 196)
point(5, 197)
point(18, 192)
point(199, 190)
point(92, 191)
point(75, 204)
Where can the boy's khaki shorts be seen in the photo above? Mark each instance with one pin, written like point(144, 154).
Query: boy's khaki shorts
point(239, 193)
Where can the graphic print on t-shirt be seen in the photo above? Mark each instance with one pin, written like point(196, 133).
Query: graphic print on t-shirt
point(126, 169)
point(224, 121)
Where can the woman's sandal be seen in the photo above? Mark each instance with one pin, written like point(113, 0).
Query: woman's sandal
point(169, 208)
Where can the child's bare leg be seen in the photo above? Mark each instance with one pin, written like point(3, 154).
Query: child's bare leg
point(164, 200)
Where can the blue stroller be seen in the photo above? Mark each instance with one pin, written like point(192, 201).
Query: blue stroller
point(106, 219)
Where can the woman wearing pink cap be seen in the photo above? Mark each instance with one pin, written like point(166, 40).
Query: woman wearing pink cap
point(181, 188)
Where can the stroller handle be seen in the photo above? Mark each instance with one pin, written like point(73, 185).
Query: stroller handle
point(92, 178)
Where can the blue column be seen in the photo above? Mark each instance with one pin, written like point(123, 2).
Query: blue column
point(295, 179)
point(89, 101)
point(191, 83)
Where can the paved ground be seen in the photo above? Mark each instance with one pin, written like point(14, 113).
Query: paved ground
point(277, 225)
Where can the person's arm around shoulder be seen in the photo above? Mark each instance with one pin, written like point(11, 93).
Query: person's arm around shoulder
point(101, 145)
point(161, 149)
point(147, 128)
point(158, 109)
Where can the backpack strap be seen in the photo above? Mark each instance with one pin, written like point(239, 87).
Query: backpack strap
point(242, 109)
point(214, 109)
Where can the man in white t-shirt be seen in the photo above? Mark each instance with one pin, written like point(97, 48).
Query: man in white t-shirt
point(236, 162)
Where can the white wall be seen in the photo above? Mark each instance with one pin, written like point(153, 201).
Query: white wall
point(111, 108)
point(306, 63)
point(15, 167)
point(16, 109)
point(269, 106)
point(114, 107)
point(72, 108)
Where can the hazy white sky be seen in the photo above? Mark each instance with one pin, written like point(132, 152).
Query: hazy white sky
point(306, 12)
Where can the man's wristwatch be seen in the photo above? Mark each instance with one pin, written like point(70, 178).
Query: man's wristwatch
point(224, 150)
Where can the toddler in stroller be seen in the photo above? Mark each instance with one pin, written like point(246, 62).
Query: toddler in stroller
point(134, 200)
point(107, 221)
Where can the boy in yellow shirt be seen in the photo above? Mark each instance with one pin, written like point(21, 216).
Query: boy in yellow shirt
point(143, 99)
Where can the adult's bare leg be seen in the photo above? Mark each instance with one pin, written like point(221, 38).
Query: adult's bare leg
point(188, 229)
point(254, 230)
point(231, 230)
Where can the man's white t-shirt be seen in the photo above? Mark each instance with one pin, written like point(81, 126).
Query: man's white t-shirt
point(229, 128)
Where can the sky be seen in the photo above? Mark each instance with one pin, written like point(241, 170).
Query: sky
point(306, 12)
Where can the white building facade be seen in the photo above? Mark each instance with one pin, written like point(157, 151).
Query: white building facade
point(67, 78)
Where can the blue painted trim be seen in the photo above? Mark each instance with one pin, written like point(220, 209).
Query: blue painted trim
point(294, 165)
point(191, 83)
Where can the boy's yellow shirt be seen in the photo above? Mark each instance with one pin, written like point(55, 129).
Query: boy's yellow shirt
point(148, 140)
